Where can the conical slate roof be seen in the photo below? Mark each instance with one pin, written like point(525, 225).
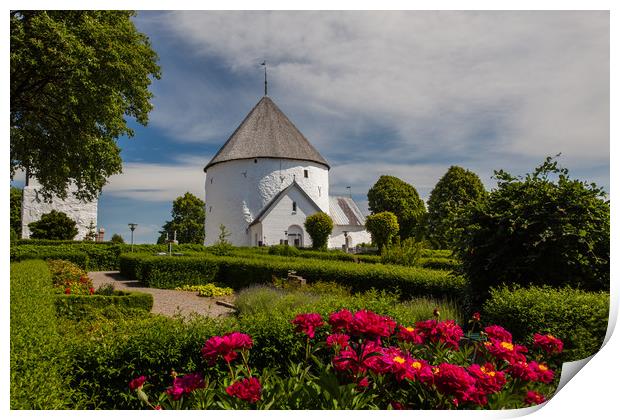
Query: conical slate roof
point(267, 133)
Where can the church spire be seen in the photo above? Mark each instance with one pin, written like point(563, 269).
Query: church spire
point(264, 63)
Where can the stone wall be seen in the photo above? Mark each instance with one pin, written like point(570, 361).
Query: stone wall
point(33, 207)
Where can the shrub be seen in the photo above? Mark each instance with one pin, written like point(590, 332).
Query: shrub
point(61, 252)
point(69, 279)
point(117, 239)
point(319, 226)
point(53, 225)
point(538, 230)
point(439, 263)
point(39, 377)
point(284, 250)
point(207, 290)
point(222, 246)
point(80, 306)
point(578, 318)
point(405, 253)
point(382, 227)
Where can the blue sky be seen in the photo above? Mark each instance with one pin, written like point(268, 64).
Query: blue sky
point(400, 93)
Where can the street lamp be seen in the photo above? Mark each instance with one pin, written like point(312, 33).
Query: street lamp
point(132, 227)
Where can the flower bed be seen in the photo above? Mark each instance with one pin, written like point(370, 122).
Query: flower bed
point(363, 360)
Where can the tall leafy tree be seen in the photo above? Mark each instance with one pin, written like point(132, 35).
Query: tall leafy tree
point(188, 220)
point(75, 78)
point(396, 196)
point(544, 228)
point(16, 210)
point(455, 190)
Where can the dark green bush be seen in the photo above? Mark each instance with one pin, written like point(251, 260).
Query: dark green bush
point(79, 306)
point(38, 358)
point(576, 317)
point(284, 250)
point(439, 263)
point(238, 272)
point(60, 252)
point(53, 225)
point(319, 226)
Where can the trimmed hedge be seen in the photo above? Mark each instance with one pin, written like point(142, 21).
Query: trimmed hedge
point(38, 356)
point(439, 263)
point(237, 272)
point(61, 252)
point(576, 317)
point(78, 306)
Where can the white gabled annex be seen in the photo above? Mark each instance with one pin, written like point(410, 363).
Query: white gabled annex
point(266, 179)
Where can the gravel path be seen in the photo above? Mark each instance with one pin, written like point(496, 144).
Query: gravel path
point(166, 302)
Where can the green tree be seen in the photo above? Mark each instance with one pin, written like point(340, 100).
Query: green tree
point(400, 198)
point(16, 210)
point(223, 246)
point(541, 229)
point(382, 227)
point(455, 190)
point(91, 234)
point(75, 77)
point(117, 239)
point(188, 220)
point(319, 226)
point(53, 225)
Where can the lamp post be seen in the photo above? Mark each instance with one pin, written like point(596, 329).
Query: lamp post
point(132, 227)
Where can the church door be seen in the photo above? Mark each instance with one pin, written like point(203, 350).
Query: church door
point(295, 236)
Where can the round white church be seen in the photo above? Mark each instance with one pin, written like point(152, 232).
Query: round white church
point(266, 179)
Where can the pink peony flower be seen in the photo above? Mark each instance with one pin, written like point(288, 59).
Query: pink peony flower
point(506, 350)
point(369, 324)
point(225, 346)
point(488, 381)
point(185, 385)
point(445, 332)
point(534, 398)
point(340, 340)
point(455, 381)
point(137, 383)
point(308, 323)
point(246, 389)
point(340, 320)
point(549, 343)
point(495, 332)
point(410, 335)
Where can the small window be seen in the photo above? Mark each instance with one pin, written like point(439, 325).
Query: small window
point(255, 160)
point(305, 173)
point(319, 191)
point(294, 207)
point(211, 180)
point(210, 209)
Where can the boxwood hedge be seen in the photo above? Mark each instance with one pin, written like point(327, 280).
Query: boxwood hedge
point(78, 306)
point(238, 272)
point(578, 318)
point(39, 359)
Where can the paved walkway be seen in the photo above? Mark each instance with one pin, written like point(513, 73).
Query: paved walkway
point(165, 302)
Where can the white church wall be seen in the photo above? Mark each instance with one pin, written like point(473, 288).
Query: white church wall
point(281, 218)
point(236, 191)
point(358, 235)
point(33, 207)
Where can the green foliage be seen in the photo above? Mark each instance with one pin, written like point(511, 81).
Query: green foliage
point(75, 78)
point(382, 227)
point(396, 196)
point(53, 225)
point(538, 230)
point(406, 252)
point(38, 356)
point(222, 246)
point(319, 226)
point(284, 250)
point(240, 272)
point(455, 190)
point(81, 306)
point(207, 290)
point(188, 220)
point(578, 318)
point(117, 239)
point(91, 235)
point(440, 263)
point(16, 210)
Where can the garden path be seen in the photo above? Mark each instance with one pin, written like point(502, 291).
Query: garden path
point(165, 302)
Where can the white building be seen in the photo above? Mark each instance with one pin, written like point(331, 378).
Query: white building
point(34, 206)
point(266, 179)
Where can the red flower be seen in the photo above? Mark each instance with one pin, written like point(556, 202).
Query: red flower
point(226, 346)
point(308, 323)
point(445, 332)
point(421, 371)
point(548, 343)
point(157, 407)
point(543, 373)
point(340, 320)
point(137, 383)
point(522, 370)
point(455, 381)
point(488, 381)
point(409, 335)
point(185, 385)
point(91, 290)
point(84, 279)
point(370, 324)
point(506, 350)
point(68, 291)
point(340, 340)
point(534, 398)
point(476, 316)
point(246, 389)
point(495, 332)
point(397, 405)
point(363, 383)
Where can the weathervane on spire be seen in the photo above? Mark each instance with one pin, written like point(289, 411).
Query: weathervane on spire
point(264, 63)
